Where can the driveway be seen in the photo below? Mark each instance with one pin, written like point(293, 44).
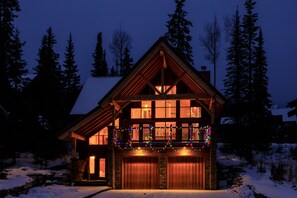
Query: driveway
point(167, 193)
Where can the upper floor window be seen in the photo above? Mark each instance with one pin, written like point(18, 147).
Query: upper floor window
point(188, 110)
point(144, 112)
point(101, 137)
point(166, 108)
point(165, 130)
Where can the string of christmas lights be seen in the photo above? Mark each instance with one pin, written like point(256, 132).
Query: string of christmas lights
point(205, 131)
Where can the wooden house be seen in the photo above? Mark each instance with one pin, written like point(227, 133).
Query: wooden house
point(155, 129)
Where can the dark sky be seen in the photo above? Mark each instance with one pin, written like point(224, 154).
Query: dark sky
point(145, 21)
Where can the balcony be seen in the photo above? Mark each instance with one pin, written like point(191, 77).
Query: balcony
point(124, 138)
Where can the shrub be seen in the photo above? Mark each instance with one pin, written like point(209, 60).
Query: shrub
point(278, 172)
point(293, 152)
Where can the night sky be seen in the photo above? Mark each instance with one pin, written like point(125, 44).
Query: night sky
point(145, 21)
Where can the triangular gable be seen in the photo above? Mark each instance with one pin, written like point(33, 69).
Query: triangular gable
point(160, 56)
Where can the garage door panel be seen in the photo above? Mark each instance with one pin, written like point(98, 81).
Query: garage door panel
point(140, 172)
point(185, 173)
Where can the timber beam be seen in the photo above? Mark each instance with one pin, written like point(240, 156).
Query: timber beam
point(76, 136)
point(163, 97)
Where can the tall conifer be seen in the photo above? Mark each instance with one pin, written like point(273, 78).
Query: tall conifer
point(8, 10)
point(250, 31)
point(17, 69)
point(178, 31)
point(100, 67)
point(71, 77)
point(235, 80)
point(47, 87)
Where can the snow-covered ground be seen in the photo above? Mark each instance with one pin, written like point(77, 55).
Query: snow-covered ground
point(250, 181)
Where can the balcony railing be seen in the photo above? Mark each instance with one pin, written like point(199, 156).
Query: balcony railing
point(124, 137)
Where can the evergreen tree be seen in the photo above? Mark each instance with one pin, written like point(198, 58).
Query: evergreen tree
point(127, 62)
point(8, 10)
point(71, 77)
point(120, 41)
point(250, 30)
point(261, 102)
point(47, 87)
point(17, 69)
point(235, 80)
point(100, 67)
point(178, 31)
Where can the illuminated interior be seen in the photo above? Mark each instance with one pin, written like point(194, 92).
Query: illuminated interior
point(102, 164)
point(189, 111)
point(162, 130)
point(92, 164)
point(101, 138)
point(143, 112)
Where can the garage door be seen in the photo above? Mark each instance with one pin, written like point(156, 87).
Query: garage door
point(185, 173)
point(140, 173)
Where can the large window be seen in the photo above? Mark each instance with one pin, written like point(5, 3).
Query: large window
point(135, 132)
point(190, 131)
point(100, 138)
point(164, 130)
point(188, 110)
point(95, 161)
point(102, 167)
point(143, 112)
point(166, 108)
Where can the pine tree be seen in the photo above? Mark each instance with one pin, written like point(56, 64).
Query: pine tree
point(17, 69)
point(178, 31)
point(47, 87)
point(235, 80)
point(261, 102)
point(250, 30)
point(71, 77)
point(8, 10)
point(100, 67)
point(127, 62)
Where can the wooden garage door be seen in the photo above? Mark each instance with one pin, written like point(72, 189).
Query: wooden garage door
point(140, 173)
point(185, 173)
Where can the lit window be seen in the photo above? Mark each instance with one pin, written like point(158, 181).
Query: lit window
point(166, 108)
point(102, 167)
point(170, 92)
point(185, 131)
point(163, 130)
point(135, 132)
point(92, 164)
point(143, 112)
point(100, 138)
point(146, 131)
point(116, 123)
point(189, 111)
point(195, 131)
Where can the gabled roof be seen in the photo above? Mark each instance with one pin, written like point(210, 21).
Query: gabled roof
point(161, 54)
point(94, 89)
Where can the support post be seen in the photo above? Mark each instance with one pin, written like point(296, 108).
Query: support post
point(113, 150)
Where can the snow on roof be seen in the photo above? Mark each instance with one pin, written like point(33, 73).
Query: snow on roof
point(92, 92)
point(284, 113)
